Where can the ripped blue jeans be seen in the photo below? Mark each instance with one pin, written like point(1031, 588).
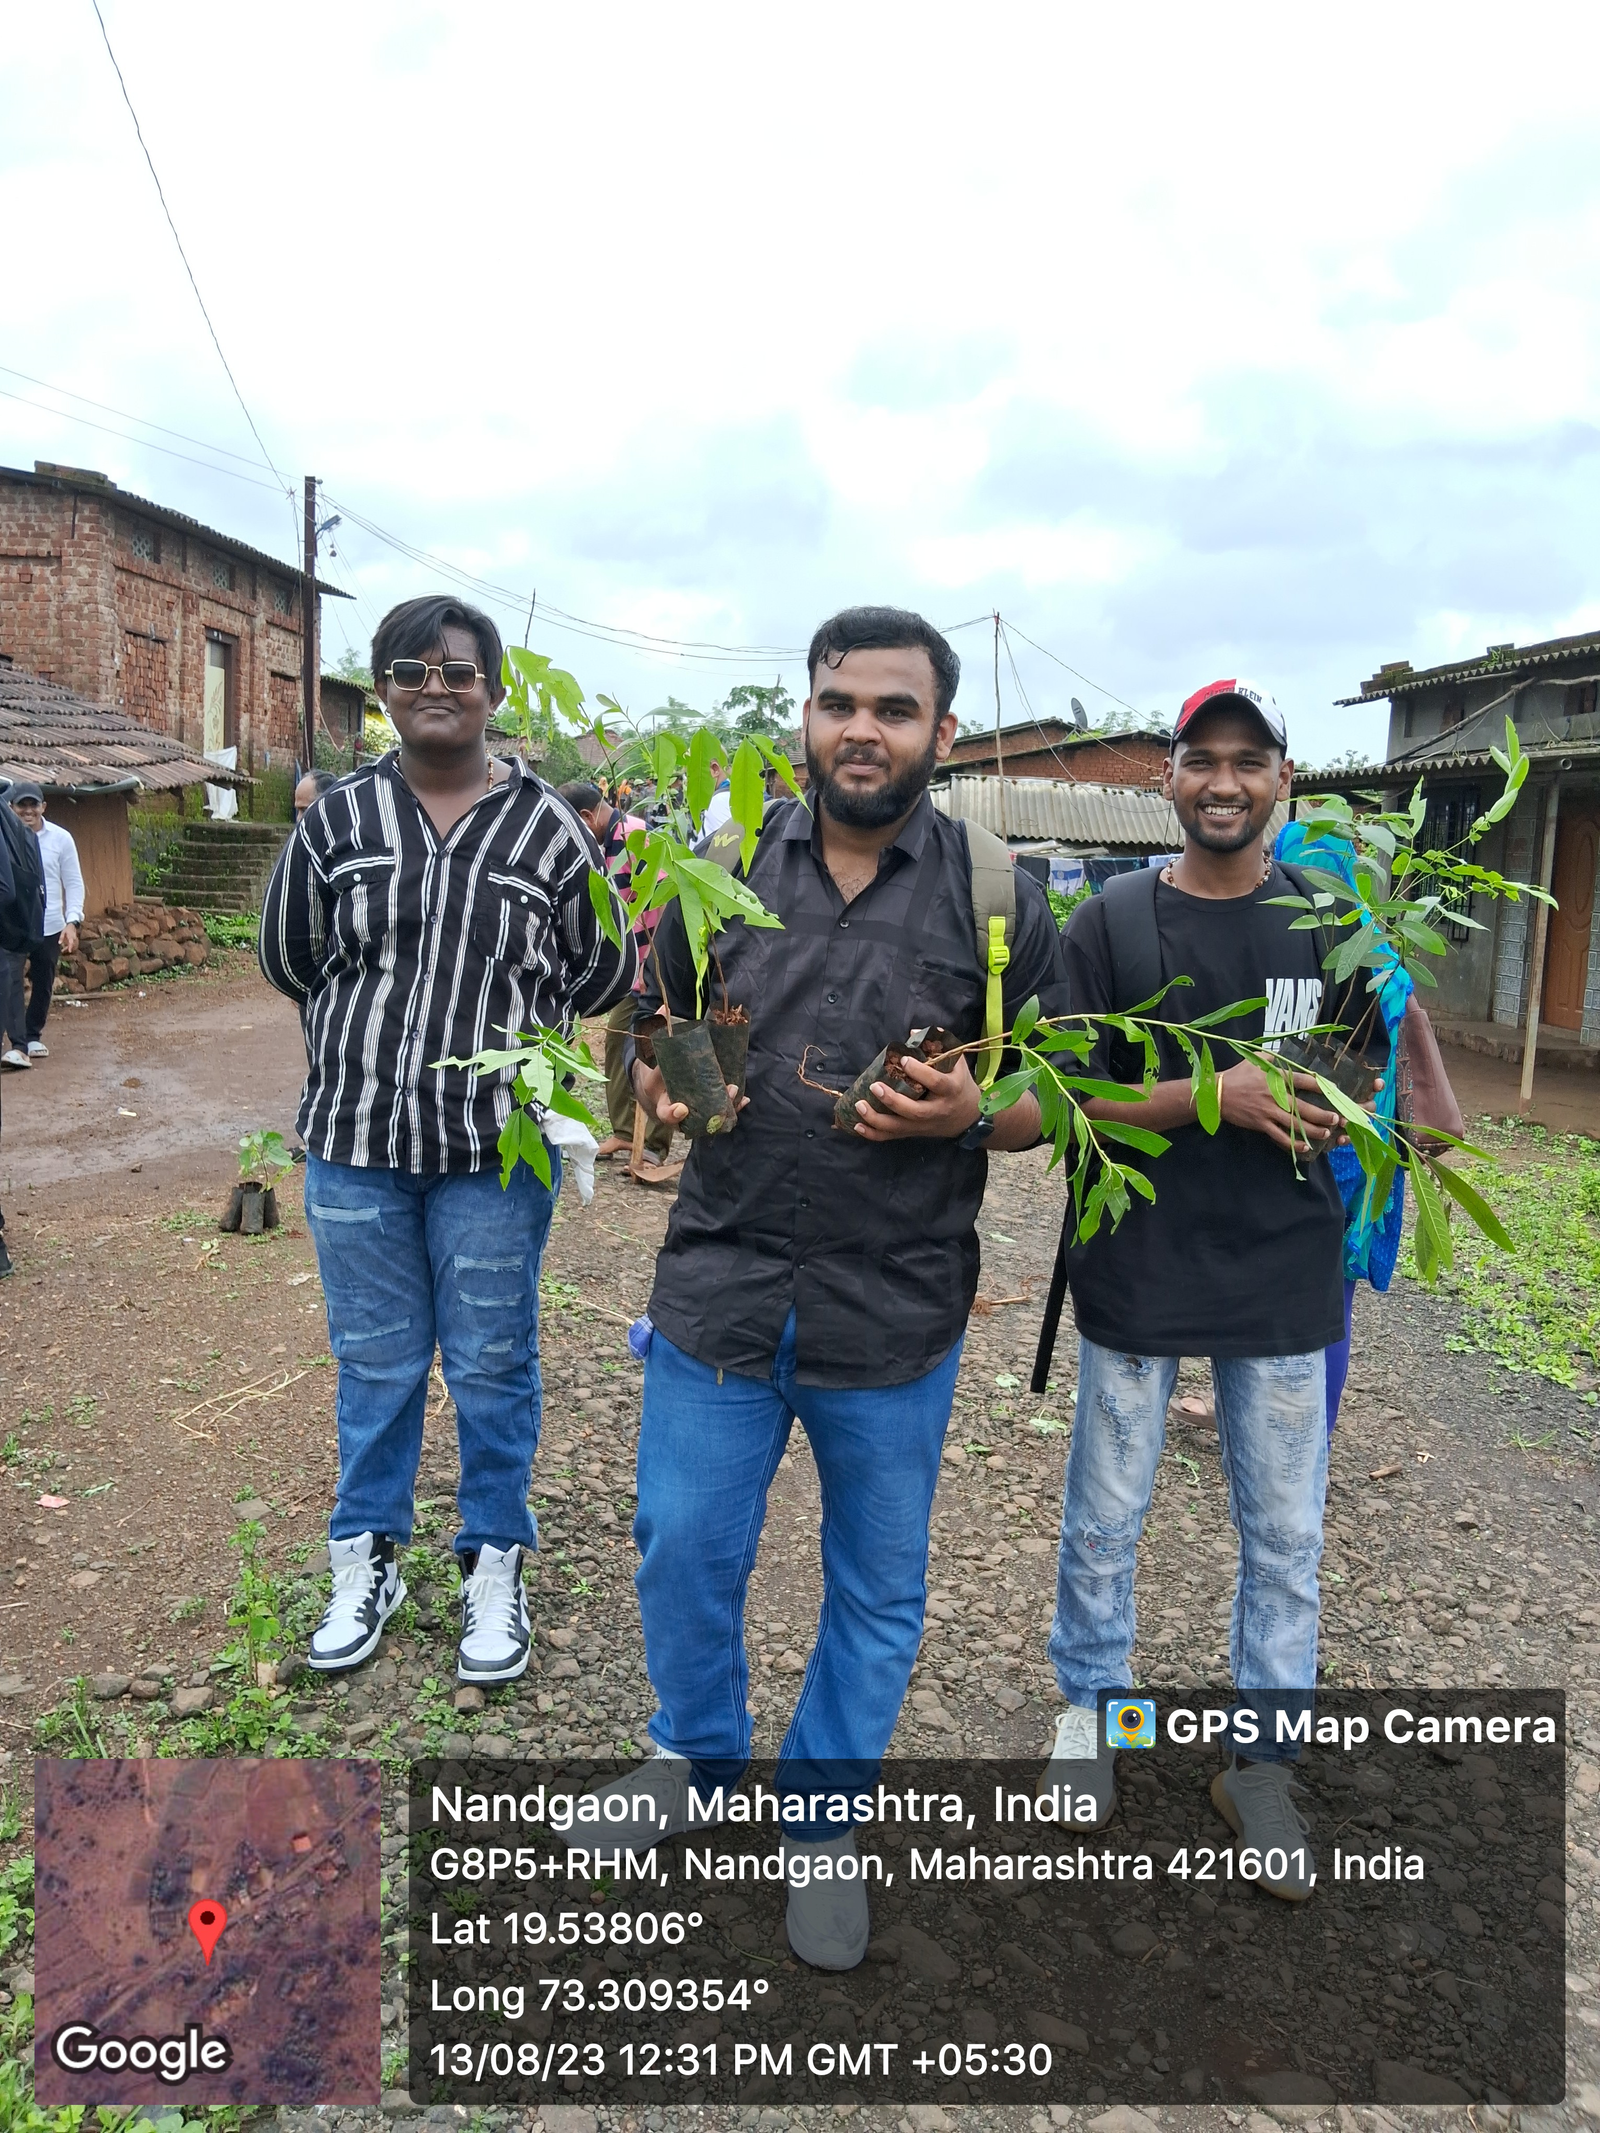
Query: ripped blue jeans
point(1272, 1424)
point(407, 1262)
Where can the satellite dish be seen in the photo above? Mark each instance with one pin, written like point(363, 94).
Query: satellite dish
point(1080, 717)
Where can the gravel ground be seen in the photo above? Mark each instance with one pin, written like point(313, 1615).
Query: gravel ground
point(1455, 1554)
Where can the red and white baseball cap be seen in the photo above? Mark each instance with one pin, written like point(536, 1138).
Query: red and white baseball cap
point(1246, 693)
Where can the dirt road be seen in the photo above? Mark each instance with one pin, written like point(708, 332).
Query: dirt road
point(155, 1375)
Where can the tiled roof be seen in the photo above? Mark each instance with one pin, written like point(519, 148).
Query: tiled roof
point(68, 744)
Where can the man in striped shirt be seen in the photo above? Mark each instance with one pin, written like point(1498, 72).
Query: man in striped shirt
point(426, 906)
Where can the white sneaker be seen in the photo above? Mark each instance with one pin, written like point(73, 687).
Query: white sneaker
point(14, 1058)
point(37, 1049)
point(827, 1917)
point(367, 1588)
point(1081, 1762)
point(658, 1796)
point(495, 1637)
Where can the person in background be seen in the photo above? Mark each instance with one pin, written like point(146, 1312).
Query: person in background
point(439, 900)
point(63, 914)
point(1371, 1235)
point(310, 789)
point(610, 828)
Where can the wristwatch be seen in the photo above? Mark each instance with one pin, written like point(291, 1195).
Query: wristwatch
point(977, 1134)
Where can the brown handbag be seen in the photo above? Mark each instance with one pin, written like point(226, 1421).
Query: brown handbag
point(1424, 1099)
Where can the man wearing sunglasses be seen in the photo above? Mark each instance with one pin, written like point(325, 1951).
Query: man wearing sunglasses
point(425, 906)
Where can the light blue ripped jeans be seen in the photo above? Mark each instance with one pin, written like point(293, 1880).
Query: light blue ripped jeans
point(406, 1262)
point(1272, 1424)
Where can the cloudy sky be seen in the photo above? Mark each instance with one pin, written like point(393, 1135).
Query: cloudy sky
point(1196, 341)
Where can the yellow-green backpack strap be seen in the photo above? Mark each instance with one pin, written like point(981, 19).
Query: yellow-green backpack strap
point(994, 919)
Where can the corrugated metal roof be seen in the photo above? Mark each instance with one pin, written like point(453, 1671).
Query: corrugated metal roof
point(1089, 819)
point(1095, 817)
point(68, 744)
point(1499, 660)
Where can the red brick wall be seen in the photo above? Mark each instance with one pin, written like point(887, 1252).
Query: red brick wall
point(78, 604)
point(1118, 759)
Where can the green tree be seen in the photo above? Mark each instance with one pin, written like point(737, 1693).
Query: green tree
point(749, 708)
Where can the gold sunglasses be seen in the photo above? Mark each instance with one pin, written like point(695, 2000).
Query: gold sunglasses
point(458, 675)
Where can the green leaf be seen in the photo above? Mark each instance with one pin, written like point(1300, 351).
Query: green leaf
point(1207, 1095)
point(1229, 1014)
point(699, 782)
point(1009, 1089)
point(1432, 1239)
point(603, 897)
point(1474, 1203)
point(1025, 1021)
point(1140, 1137)
point(747, 792)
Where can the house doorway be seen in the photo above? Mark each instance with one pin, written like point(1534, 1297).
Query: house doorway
point(1566, 958)
point(220, 720)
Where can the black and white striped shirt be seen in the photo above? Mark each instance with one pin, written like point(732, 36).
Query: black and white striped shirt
point(405, 948)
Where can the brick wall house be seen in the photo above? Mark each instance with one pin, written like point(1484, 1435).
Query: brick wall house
point(192, 633)
point(1050, 748)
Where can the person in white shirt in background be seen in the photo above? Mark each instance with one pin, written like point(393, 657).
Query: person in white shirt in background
point(63, 913)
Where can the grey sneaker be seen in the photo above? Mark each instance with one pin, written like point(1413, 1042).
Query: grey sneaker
point(1081, 1763)
point(658, 1797)
point(1255, 1804)
point(827, 1916)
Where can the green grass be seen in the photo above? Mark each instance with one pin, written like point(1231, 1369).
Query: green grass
point(232, 929)
point(1535, 1311)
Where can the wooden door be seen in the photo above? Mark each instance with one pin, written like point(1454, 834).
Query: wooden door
point(1566, 959)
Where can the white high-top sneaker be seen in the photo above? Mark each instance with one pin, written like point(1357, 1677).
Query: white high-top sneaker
point(367, 1588)
point(495, 1638)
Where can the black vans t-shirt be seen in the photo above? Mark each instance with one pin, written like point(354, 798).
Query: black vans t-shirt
point(1237, 1255)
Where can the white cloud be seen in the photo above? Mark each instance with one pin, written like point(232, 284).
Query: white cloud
point(1261, 340)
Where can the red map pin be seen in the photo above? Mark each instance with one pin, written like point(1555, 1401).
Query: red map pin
point(207, 1922)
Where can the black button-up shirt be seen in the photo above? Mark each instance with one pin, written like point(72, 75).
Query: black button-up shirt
point(405, 948)
point(873, 1247)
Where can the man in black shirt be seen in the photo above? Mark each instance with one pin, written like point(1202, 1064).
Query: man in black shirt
point(1239, 1257)
point(425, 907)
point(824, 1274)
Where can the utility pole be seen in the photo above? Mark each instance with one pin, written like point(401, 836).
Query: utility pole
point(308, 631)
point(999, 752)
point(1541, 933)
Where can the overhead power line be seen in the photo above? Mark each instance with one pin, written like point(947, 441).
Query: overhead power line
point(63, 415)
point(183, 255)
point(1073, 671)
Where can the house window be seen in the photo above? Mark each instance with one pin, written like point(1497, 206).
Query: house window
point(222, 573)
point(1410, 720)
point(1449, 816)
point(143, 540)
point(1581, 700)
point(1451, 712)
point(282, 597)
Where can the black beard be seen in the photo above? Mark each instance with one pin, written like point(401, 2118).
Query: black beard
point(872, 810)
point(1211, 840)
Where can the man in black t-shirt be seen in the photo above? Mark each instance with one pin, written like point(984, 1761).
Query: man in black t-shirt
point(1239, 1258)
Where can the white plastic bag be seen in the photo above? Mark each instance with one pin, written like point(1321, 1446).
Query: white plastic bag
point(578, 1150)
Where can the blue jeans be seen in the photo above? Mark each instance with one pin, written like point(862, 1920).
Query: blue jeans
point(407, 1262)
point(1271, 1420)
point(709, 1445)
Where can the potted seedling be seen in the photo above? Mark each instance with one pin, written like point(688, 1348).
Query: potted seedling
point(699, 1059)
point(702, 1058)
point(253, 1206)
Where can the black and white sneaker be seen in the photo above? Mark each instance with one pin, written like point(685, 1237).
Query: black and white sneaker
point(495, 1638)
point(367, 1588)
